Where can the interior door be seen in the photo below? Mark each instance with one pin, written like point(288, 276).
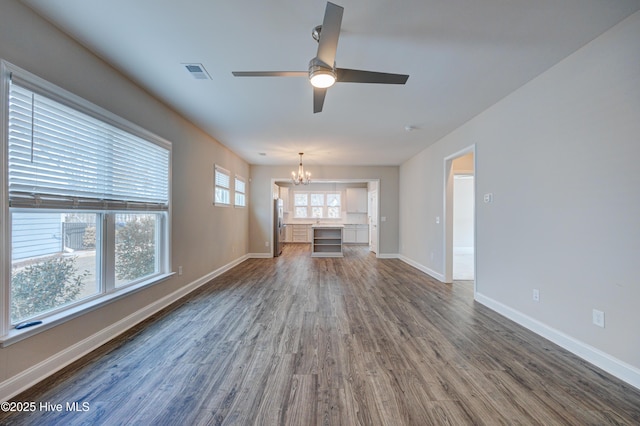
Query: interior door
point(373, 221)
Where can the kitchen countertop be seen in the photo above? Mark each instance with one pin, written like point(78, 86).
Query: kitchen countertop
point(327, 225)
point(324, 224)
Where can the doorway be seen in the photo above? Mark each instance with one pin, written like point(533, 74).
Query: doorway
point(463, 229)
point(373, 218)
point(459, 214)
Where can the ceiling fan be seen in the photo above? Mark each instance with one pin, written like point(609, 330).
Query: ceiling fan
point(322, 71)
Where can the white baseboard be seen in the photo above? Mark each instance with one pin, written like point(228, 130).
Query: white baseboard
point(608, 363)
point(259, 255)
point(437, 275)
point(31, 376)
point(387, 255)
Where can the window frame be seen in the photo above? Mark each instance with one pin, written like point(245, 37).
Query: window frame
point(8, 334)
point(310, 206)
point(237, 179)
point(305, 205)
point(226, 189)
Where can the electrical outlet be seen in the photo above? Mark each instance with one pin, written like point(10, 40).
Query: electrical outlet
point(179, 270)
point(266, 243)
point(598, 318)
point(488, 198)
point(536, 295)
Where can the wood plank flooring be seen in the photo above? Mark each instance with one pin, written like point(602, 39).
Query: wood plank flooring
point(297, 340)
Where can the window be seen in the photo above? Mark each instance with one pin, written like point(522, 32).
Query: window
point(240, 199)
point(88, 201)
point(222, 184)
point(317, 205)
point(333, 205)
point(300, 204)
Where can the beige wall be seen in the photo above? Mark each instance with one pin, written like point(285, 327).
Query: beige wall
point(560, 157)
point(260, 224)
point(204, 237)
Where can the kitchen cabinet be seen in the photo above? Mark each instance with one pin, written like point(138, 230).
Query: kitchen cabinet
point(349, 234)
point(327, 241)
point(300, 233)
point(288, 237)
point(362, 234)
point(357, 200)
point(356, 234)
point(284, 195)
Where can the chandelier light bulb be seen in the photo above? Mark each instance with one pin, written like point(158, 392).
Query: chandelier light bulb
point(301, 177)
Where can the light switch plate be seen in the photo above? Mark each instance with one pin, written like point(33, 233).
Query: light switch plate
point(598, 318)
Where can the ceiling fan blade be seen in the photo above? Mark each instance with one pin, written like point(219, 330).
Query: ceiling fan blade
point(270, 73)
point(318, 99)
point(328, 43)
point(344, 75)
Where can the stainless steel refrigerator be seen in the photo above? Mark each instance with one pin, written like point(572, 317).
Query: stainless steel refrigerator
point(278, 227)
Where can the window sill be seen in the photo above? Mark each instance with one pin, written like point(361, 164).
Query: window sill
point(14, 336)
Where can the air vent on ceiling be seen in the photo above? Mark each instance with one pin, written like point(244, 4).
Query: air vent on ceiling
point(197, 71)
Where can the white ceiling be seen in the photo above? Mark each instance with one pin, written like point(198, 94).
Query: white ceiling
point(462, 57)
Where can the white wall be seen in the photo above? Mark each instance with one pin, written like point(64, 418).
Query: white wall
point(204, 238)
point(561, 157)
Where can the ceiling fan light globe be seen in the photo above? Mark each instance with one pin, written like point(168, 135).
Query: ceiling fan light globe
point(322, 79)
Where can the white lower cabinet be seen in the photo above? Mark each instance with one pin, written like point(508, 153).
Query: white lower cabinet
point(300, 233)
point(356, 234)
point(288, 230)
point(304, 233)
point(362, 234)
point(349, 234)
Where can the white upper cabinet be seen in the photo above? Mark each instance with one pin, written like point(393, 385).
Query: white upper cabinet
point(284, 194)
point(356, 200)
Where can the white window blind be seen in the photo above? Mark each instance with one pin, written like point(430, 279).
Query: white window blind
point(61, 157)
point(240, 191)
point(222, 185)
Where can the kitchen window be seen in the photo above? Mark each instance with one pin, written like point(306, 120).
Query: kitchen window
point(317, 205)
point(87, 204)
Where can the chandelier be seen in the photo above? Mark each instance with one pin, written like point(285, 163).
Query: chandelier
point(301, 177)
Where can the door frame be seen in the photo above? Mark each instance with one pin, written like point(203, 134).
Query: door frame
point(374, 236)
point(447, 243)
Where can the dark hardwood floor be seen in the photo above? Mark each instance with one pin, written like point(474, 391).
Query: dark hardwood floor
point(297, 340)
